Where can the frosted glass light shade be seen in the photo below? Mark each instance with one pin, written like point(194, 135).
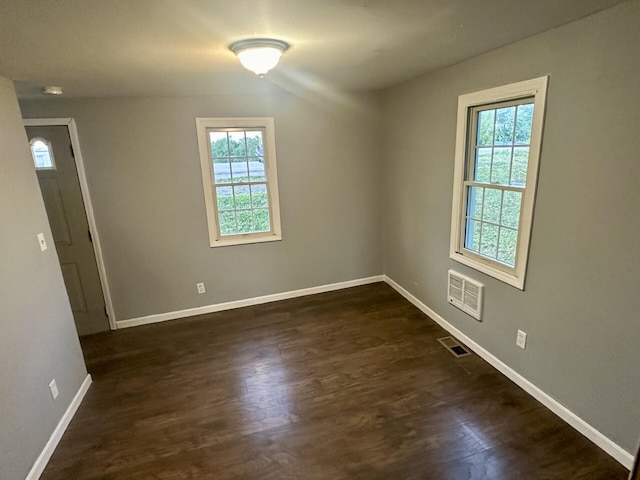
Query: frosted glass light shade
point(260, 60)
point(259, 55)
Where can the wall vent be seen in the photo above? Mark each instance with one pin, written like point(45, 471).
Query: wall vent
point(466, 294)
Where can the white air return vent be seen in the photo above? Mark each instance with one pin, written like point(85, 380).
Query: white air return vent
point(466, 294)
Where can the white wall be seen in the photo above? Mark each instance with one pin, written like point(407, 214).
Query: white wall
point(580, 305)
point(38, 341)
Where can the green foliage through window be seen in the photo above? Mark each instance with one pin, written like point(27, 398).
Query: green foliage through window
point(234, 144)
point(494, 193)
point(240, 182)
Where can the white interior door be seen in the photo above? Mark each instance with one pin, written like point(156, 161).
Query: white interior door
point(62, 197)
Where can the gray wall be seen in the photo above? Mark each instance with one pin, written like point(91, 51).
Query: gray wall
point(38, 341)
point(581, 305)
point(143, 169)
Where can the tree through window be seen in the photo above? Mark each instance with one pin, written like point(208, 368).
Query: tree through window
point(239, 176)
point(497, 152)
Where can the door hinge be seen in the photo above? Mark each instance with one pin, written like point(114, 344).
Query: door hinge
point(71, 149)
point(105, 311)
point(90, 237)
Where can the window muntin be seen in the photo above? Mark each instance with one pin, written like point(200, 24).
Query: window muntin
point(240, 181)
point(239, 176)
point(496, 171)
point(42, 154)
point(498, 144)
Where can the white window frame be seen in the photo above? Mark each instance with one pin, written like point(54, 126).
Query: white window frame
point(266, 124)
point(537, 90)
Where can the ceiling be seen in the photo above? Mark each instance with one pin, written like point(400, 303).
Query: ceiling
point(179, 47)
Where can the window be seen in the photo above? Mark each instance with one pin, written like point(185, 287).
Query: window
point(42, 154)
point(498, 143)
point(238, 161)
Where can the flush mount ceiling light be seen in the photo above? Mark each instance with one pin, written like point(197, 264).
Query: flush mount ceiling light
point(259, 54)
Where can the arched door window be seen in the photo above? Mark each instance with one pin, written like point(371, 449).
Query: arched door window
point(42, 154)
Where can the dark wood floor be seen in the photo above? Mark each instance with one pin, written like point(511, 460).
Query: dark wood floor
point(343, 385)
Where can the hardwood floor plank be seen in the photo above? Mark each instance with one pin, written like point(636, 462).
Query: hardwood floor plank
point(342, 385)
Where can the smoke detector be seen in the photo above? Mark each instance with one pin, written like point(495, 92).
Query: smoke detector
point(51, 90)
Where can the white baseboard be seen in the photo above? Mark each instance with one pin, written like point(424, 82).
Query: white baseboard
point(49, 448)
point(606, 444)
point(218, 307)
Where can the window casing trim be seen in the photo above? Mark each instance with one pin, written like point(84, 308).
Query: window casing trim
point(266, 124)
point(535, 89)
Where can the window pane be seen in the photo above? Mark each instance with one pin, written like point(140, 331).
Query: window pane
point(238, 156)
point(219, 145)
point(237, 146)
point(483, 165)
point(243, 199)
point(520, 163)
point(245, 221)
point(485, 127)
point(224, 196)
point(523, 124)
point(505, 118)
point(259, 196)
point(489, 240)
point(42, 155)
point(511, 209)
point(240, 169)
point(261, 220)
point(507, 247)
point(227, 222)
point(256, 169)
point(472, 235)
point(474, 201)
point(255, 156)
point(492, 200)
point(254, 144)
point(501, 165)
point(221, 170)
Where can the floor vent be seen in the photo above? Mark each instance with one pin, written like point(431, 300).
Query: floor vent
point(454, 347)
point(466, 294)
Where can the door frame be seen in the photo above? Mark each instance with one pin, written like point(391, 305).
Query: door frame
point(70, 123)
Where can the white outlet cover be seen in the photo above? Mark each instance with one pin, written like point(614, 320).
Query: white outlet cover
point(201, 288)
point(53, 386)
point(521, 339)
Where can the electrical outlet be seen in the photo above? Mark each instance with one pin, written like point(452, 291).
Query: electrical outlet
point(53, 386)
point(521, 339)
point(42, 242)
point(201, 288)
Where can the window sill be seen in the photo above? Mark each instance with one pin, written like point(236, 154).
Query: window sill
point(488, 269)
point(245, 240)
